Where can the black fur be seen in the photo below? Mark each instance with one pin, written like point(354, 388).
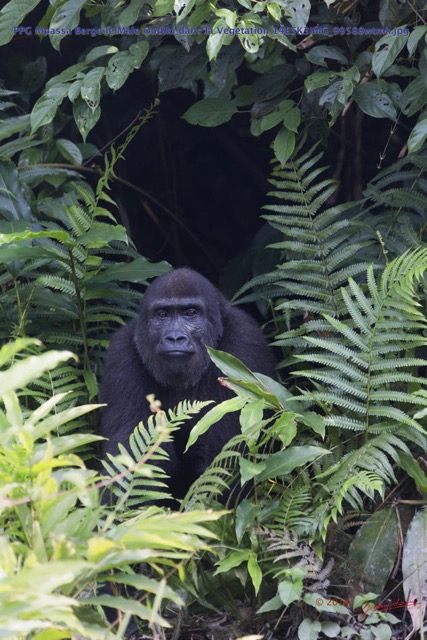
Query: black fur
point(163, 352)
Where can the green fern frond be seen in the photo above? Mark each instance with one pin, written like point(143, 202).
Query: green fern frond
point(362, 473)
point(58, 284)
point(137, 483)
point(293, 506)
point(218, 478)
point(358, 366)
point(186, 409)
point(320, 247)
point(79, 221)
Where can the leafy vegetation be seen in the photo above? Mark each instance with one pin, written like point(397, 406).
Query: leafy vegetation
point(311, 59)
point(63, 269)
point(59, 544)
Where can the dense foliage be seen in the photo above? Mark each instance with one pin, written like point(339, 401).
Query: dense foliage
point(309, 60)
point(333, 466)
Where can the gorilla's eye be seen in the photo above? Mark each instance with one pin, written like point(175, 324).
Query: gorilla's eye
point(161, 313)
point(190, 313)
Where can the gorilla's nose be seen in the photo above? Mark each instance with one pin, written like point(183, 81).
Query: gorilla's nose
point(176, 337)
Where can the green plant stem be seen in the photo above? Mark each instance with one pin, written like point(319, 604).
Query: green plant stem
point(81, 311)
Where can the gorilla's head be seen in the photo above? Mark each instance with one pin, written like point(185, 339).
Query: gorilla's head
point(180, 315)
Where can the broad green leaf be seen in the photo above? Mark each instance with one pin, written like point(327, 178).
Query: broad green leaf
point(320, 79)
point(10, 126)
point(315, 421)
point(273, 8)
point(234, 559)
point(69, 150)
point(251, 417)
point(283, 397)
point(414, 568)
point(127, 605)
point(101, 233)
point(91, 87)
point(271, 605)
point(254, 571)
point(210, 112)
point(124, 62)
point(333, 629)
point(62, 417)
point(139, 270)
point(413, 468)
point(320, 53)
point(415, 36)
point(374, 101)
point(85, 117)
point(182, 8)
point(271, 120)
point(12, 15)
point(130, 14)
point(68, 75)
point(74, 90)
point(138, 52)
point(162, 7)
point(290, 591)
point(65, 444)
point(252, 392)
point(231, 366)
point(282, 463)
point(251, 421)
point(230, 17)
point(46, 107)
point(199, 16)
point(51, 575)
point(297, 11)
point(246, 514)
point(100, 52)
point(21, 236)
point(292, 120)
point(242, 380)
point(386, 51)
point(212, 416)
point(23, 372)
point(285, 428)
point(414, 97)
point(417, 136)
point(373, 551)
point(66, 17)
point(284, 145)
point(10, 349)
point(218, 38)
point(250, 470)
point(250, 40)
point(309, 629)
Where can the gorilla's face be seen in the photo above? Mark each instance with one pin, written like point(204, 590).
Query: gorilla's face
point(174, 330)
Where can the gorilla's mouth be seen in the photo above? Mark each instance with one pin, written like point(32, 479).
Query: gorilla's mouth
point(177, 353)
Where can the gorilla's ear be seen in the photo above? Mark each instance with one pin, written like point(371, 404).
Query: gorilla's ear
point(218, 310)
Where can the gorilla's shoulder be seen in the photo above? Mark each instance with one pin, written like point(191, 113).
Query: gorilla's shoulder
point(126, 332)
point(243, 338)
point(122, 351)
point(242, 324)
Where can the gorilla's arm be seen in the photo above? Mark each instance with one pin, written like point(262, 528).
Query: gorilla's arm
point(124, 387)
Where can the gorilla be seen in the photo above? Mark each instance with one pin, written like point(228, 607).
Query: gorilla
point(163, 351)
